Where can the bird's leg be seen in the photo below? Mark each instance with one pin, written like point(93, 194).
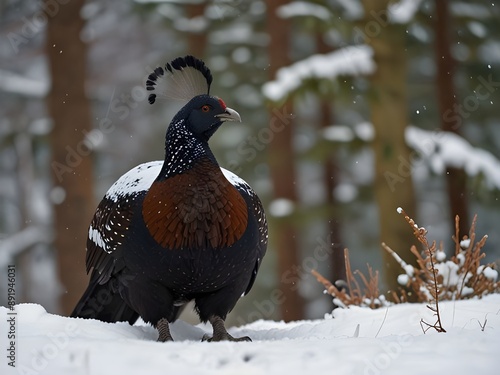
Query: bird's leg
point(220, 333)
point(164, 331)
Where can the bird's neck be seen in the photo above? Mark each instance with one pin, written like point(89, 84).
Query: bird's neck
point(182, 151)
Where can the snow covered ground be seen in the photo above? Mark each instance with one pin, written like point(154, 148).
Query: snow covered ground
point(352, 341)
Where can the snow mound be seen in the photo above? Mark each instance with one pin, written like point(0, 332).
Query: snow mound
point(349, 341)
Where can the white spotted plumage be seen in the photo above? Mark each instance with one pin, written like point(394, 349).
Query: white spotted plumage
point(135, 181)
point(184, 143)
point(95, 236)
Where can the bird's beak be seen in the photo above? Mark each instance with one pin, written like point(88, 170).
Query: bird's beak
point(229, 115)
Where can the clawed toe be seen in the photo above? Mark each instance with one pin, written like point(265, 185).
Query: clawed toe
point(206, 337)
point(163, 339)
point(220, 333)
point(224, 337)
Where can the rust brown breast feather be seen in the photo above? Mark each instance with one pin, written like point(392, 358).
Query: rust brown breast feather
point(195, 209)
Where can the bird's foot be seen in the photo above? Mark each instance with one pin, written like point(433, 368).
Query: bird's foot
point(163, 331)
point(220, 333)
point(224, 337)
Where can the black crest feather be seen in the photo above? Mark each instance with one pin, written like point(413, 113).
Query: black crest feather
point(181, 79)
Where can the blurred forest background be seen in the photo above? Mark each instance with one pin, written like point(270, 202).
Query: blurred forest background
point(350, 109)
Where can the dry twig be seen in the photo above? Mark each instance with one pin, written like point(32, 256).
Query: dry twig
point(359, 293)
point(420, 234)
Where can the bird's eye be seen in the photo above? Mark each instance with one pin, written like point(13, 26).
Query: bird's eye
point(206, 108)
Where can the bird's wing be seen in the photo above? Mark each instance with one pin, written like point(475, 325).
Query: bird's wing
point(109, 226)
point(256, 205)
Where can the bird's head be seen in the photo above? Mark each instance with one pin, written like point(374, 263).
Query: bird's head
point(205, 114)
point(189, 79)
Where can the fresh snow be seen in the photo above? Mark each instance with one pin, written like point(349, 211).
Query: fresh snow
point(464, 244)
point(303, 8)
point(350, 341)
point(345, 192)
point(488, 272)
point(470, 9)
point(197, 24)
point(352, 10)
point(338, 133)
point(18, 84)
point(442, 149)
point(351, 60)
point(281, 207)
point(403, 11)
point(238, 34)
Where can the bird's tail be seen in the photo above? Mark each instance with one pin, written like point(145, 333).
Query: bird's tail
point(103, 302)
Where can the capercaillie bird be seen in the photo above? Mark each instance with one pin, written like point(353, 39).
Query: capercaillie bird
point(182, 229)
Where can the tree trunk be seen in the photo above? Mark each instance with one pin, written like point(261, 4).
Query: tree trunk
point(71, 161)
point(197, 41)
point(281, 163)
point(388, 104)
point(331, 180)
point(456, 178)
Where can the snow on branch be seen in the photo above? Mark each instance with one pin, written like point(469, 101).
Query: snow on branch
point(445, 149)
point(18, 84)
point(352, 60)
point(403, 11)
point(436, 150)
point(20, 241)
point(303, 9)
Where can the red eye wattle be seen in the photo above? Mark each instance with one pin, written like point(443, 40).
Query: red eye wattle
point(222, 104)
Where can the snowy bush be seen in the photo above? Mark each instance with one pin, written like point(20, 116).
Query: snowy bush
point(435, 276)
point(461, 276)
